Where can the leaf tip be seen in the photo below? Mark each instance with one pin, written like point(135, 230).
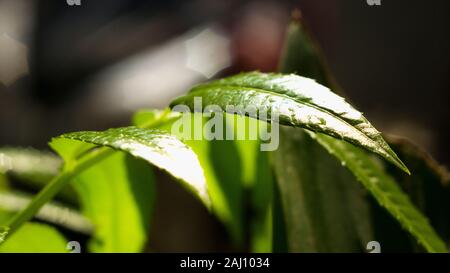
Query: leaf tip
point(399, 163)
point(402, 166)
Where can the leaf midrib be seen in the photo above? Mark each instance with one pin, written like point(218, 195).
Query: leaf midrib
point(274, 93)
point(111, 144)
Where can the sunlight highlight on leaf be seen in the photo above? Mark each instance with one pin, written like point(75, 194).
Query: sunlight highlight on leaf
point(156, 147)
point(297, 101)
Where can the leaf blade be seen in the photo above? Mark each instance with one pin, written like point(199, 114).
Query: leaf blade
point(119, 189)
point(225, 188)
point(156, 147)
point(299, 102)
point(29, 239)
point(324, 208)
point(385, 190)
point(301, 55)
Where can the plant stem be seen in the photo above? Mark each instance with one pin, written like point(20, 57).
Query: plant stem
point(68, 172)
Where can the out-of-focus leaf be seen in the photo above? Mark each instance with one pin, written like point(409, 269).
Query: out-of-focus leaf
point(33, 168)
point(302, 56)
point(156, 147)
point(52, 212)
point(145, 116)
point(323, 210)
point(379, 184)
point(221, 166)
point(154, 118)
point(4, 216)
point(385, 190)
point(279, 233)
point(298, 102)
point(35, 238)
point(428, 187)
point(262, 205)
point(3, 182)
point(257, 178)
point(118, 192)
point(29, 164)
point(118, 195)
point(338, 194)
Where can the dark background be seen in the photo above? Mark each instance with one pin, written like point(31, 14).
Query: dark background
point(392, 62)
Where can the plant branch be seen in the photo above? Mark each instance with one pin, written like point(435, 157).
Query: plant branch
point(68, 172)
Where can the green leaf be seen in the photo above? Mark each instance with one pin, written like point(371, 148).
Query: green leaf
point(302, 56)
point(221, 166)
point(35, 238)
point(262, 205)
point(120, 189)
point(334, 189)
point(4, 183)
point(230, 167)
point(428, 187)
point(118, 196)
point(324, 209)
point(373, 178)
point(298, 102)
point(156, 147)
point(385, 190)
point(257, 178)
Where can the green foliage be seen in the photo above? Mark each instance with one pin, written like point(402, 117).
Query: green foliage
point(120, 189)
point(156, 147)
point(428, 187)
point(319, 198)
point(35, 238)
point(225, 187)
point(385, 190)
point(298, 102)
point(300, 55)
point(313, 194)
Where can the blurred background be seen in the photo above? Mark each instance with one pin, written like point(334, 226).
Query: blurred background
point(90, 66)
